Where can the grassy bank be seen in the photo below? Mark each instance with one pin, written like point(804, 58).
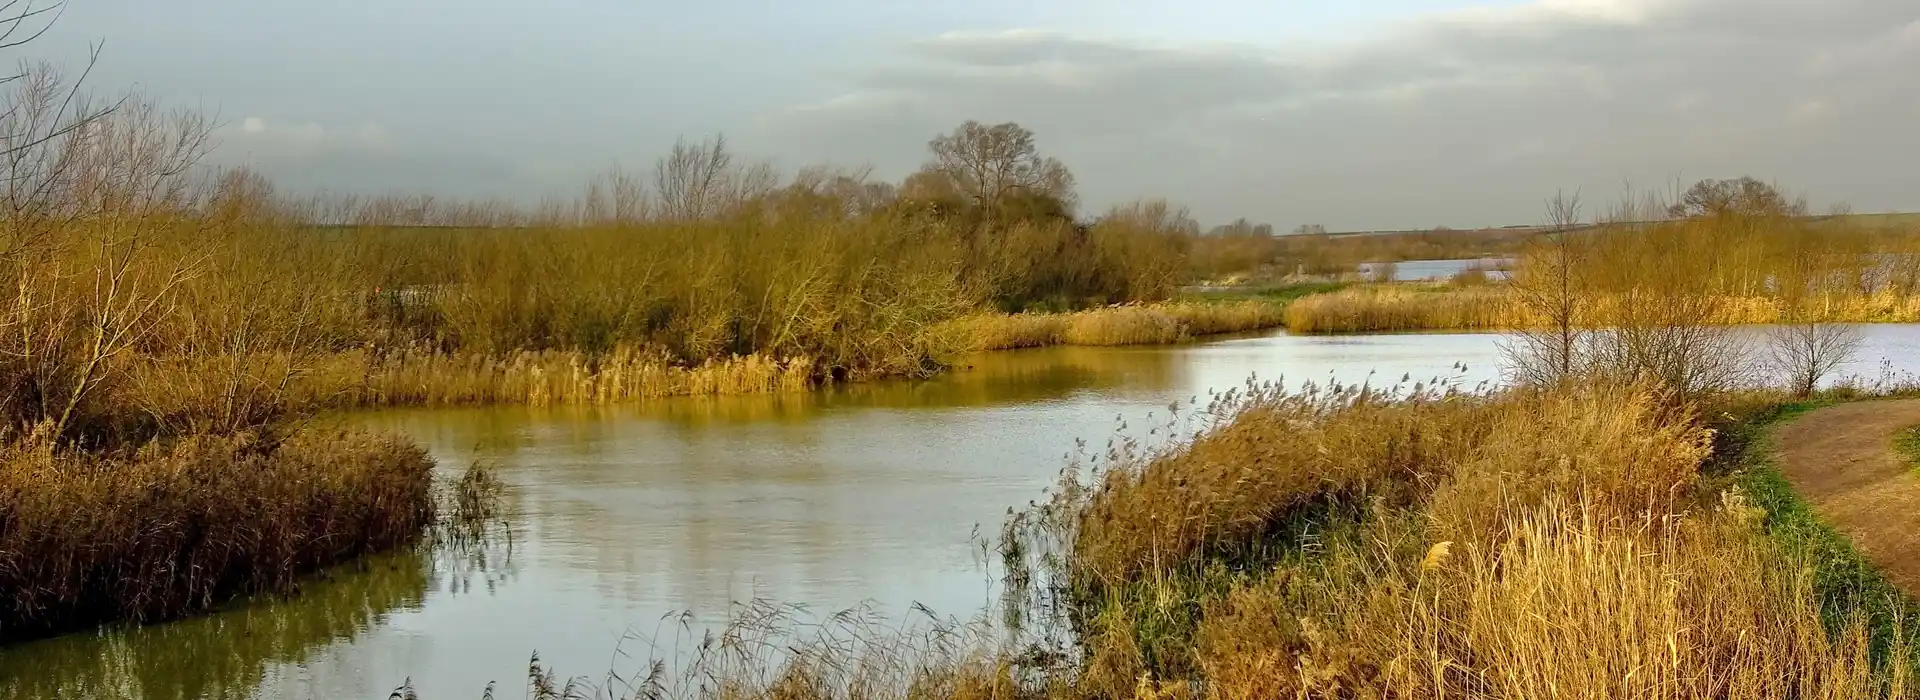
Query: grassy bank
point(1907, 444)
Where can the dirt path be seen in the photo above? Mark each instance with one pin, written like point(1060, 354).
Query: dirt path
point(1841, 460)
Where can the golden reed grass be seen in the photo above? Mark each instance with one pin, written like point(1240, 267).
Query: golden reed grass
point(175, 529)
point(554, 377)
point(1386, 308)
point(1571, 604)
point(1534, 543)
point(627, 373)
point(1126, 324)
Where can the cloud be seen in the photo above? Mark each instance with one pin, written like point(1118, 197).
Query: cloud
point(1465, 118)
point(257, 135)
point(366, 157)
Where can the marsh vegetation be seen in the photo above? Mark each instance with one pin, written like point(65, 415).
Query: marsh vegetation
point(1604, 524)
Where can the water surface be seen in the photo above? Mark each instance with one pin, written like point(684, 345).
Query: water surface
point(1438, 270)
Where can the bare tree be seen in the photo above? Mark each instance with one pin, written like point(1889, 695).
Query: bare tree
point(986, 164)
point(837, 191)
point(1662, 299)
point(701, 180)
point(1804, 349)
point(689, 179)
point(1806, 353)
point(1146, 243)
point(1549, 288)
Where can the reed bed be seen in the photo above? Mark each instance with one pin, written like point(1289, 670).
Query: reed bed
point(629, 373)
point(1388, 308)
point(1571, 604)
point(554, 377)
point(175, 529)
point(1125, 324)
point(1377, 308)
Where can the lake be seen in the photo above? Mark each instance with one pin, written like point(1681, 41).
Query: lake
point(1436, 270)
point(625, 515)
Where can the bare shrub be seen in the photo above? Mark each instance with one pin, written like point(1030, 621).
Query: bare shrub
point(1806, 353)
point(1550, 285)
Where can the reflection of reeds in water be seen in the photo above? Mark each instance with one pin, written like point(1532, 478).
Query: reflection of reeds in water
point(219, 656)
point(767, 651)
point(230, 653)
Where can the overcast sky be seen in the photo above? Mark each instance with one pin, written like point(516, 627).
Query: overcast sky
point(1357, 114)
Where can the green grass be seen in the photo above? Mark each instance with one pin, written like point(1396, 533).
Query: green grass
point(1907, 444)
point(1280, 293)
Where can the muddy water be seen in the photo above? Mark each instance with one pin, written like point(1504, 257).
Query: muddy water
point(624, 515)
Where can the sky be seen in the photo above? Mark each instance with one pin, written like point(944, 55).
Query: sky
point(1355, 115)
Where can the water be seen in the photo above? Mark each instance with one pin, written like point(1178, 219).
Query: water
point(1437, 270)
point(870, 493)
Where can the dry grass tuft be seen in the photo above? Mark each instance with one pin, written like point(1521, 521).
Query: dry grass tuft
point(1276, 452)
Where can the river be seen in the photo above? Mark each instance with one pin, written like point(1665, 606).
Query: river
point(624, 515)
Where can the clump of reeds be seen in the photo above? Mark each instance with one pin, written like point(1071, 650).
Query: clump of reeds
point(557, 377)
point(1275, 451)
point(1381, 308)
point(1124, 324)
point(174, 529)
point(1573, 604)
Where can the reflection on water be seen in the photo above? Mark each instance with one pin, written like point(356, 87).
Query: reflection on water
point(225, 655)
point(624, 515)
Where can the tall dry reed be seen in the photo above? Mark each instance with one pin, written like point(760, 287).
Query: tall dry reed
point(176, 529)
point(1535, 543)
point(1573, 604)
point(555, 377)
point(1381, 308)
point(1127, 324)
